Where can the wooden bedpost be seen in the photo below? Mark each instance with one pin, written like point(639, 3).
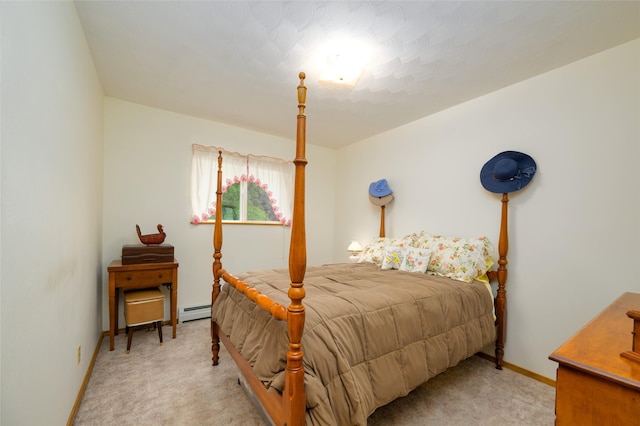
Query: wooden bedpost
point(382, 221)
point(501, 297)
point(217, 264)
point(294, 397)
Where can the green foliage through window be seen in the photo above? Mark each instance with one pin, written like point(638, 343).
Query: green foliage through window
point(231, 203)
point(256, 207)
point(258, 204)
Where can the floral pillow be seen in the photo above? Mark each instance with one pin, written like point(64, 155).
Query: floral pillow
point(394, 257)
point(375, 251)
point(458, 258)
point(415, 260)
point(463, 259)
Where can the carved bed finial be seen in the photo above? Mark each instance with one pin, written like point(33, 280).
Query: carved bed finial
point(302, 94)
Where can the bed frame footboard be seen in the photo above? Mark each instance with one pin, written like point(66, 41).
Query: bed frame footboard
point(289, 408)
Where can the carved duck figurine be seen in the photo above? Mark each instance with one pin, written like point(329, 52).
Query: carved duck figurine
point(152, 239)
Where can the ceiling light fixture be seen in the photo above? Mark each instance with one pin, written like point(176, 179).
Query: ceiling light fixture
point(342, 61)
point(341, 69)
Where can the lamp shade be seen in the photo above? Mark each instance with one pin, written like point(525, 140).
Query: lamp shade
point(354, 246)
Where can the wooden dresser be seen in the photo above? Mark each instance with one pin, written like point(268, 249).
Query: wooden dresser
point(595, 385)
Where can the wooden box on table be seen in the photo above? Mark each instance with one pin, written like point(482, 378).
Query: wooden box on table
point(141, 253)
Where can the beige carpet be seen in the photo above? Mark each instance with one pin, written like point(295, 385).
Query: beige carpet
point(176, 384)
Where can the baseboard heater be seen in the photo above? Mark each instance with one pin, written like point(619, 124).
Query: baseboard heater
point(194, 313)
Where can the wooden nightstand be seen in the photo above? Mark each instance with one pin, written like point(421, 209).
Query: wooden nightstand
point(595, 384)
point(138, 276)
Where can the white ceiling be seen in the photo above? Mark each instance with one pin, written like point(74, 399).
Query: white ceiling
point(237, 62)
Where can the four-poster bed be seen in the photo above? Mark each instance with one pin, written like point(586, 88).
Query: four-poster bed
point(371, 335)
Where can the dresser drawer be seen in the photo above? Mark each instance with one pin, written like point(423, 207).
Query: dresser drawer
point(143, 278)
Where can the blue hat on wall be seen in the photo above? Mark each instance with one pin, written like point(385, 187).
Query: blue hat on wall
point(508, 171)
point(379, 188)
point(379, 193)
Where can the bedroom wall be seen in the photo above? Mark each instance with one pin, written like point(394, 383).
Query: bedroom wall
point(51, 214)
point(573, 231)
point(147, 160)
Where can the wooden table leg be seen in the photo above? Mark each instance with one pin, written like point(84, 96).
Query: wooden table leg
point(174, 301)
point(117, 308)
point(112, 311)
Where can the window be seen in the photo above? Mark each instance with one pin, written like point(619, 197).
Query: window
point(246, 202)
point(255, 189)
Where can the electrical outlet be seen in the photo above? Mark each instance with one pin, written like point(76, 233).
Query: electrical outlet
point(78, 356)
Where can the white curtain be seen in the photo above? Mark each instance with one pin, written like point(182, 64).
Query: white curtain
point(273, 175)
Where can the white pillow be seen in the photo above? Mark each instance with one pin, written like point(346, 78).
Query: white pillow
point(416, 260)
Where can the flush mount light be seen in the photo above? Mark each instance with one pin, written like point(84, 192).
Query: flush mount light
point(342, 60)
point(341, 68)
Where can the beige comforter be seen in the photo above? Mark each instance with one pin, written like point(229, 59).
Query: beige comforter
point(370, 335)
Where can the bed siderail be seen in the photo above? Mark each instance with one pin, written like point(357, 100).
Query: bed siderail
point(288, 405)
